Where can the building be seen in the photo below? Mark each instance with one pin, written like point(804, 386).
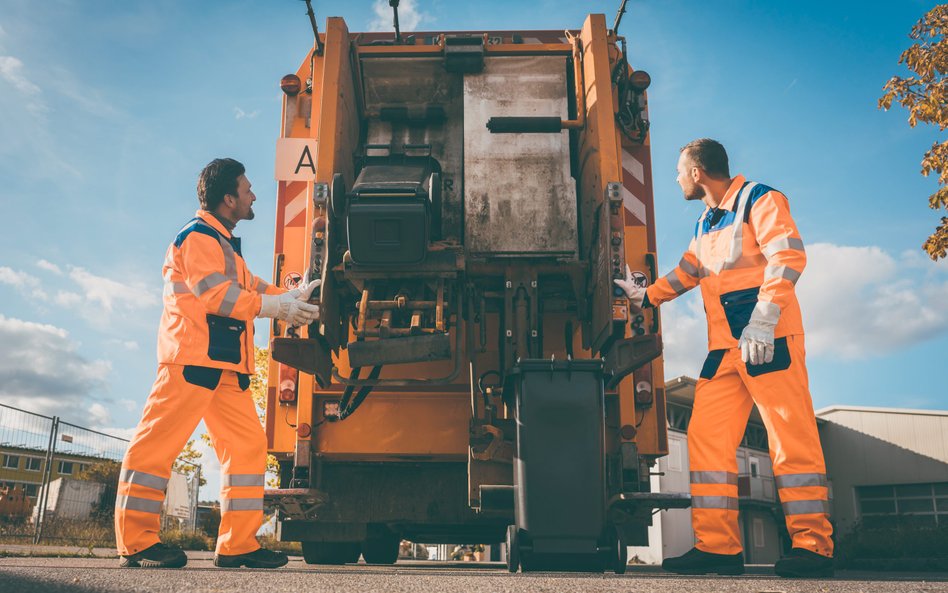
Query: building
point(24, 467)
point(882, 465)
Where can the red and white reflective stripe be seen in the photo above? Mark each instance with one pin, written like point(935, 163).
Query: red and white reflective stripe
point(294, 207)
point(633, 180)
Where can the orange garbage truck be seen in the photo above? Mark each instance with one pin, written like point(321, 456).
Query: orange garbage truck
point(474, 376)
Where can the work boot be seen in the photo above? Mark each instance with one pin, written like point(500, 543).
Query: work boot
point(156, 556)
point(696, 561)
point(259, 558)
point(804, 564)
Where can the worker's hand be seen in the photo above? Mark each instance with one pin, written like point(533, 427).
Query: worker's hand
point(634, 292)
point(304, 293)
point(291, 306)
point(757, 343)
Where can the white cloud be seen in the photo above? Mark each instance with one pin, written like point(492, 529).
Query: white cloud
point(130, 345)
point(42, 371)
point(26, 283)
point(109, 293)
point(67, 299)
point(241, 114)
point(857, 303)
point(49, 266)
point(11, 70)
point(684, 336)
point(409, 16)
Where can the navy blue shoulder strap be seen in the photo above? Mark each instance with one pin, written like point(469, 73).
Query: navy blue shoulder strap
point(196, 225)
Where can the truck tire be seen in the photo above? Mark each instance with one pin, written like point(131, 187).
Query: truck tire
point(512, 552)
point(381, 548)
point(335, 553)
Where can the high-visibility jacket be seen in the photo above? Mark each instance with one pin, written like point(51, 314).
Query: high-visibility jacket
point(210, 299)
point(747, 255)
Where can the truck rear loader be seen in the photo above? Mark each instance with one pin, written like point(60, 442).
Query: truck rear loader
point(474, 376)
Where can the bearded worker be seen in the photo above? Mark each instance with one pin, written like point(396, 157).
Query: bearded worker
point(747, 255)
point(205, 360)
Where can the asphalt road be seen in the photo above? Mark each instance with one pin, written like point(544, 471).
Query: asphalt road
point(81, 575)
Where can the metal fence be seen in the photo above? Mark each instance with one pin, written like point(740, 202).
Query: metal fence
point(58, 482)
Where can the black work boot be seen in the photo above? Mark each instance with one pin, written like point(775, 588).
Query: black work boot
point(157, 556)
point(259, 558)
point(695, 561)
point(804, 564)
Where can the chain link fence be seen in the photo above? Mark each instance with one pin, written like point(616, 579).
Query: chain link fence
point(58, 482)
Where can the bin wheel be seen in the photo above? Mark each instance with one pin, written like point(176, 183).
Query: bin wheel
point(512, 556)
point(620, 555)
point(381, 549)
point(331, 552)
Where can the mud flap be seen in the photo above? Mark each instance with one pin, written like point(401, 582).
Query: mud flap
point(630, 354)
point(310, 355)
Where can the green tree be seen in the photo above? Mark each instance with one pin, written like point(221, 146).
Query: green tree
point(187, 462)
point(925, 96)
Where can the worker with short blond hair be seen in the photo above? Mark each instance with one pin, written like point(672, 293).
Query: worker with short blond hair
point(205, 360)
point(747, 255)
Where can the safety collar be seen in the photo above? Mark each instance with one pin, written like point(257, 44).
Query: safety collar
point(212, 222)
point(736, 184)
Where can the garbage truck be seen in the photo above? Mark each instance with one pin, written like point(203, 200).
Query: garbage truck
point(474, 374)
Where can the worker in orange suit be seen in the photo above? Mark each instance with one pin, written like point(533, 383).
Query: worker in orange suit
point(205, 359)
point(747, 255)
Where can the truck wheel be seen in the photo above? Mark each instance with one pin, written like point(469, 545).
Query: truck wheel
point(330, 552)
point(381, 549)
point(512, 556)
point(620, 556)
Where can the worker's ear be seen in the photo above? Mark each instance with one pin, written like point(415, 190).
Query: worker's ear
point(230, 200)
point(697, 175)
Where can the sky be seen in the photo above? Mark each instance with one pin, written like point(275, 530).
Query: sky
point(109, 110)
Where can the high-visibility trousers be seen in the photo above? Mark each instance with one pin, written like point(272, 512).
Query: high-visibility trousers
point(181, 396)
point(724, 396)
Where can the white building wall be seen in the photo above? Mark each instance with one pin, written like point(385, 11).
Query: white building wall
point(880, 446)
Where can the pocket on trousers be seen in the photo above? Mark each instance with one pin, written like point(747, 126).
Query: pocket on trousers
point(738, 307)
point(243, 381)
point(205, 377)
point(711, 364)
point(781, 361)
point(223, 338)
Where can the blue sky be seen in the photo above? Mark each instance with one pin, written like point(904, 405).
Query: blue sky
point(109, 109)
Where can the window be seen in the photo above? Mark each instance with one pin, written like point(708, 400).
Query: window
point(759, 541)
point(911, 504)
point(754, 467)
point(11, 461)
point(31, 489)
point(33, 464)
point(65, 467)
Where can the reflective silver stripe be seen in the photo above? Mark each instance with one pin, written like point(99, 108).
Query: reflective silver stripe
point(800, 480)
point(230, 300)
point(209, 282)
point(705, 477)
point(676, 284)
point(737, 241)
point(181, 288)
point(787, 243)
point(715, 502)
point(781, 272)
point(242, 504)
point(806, 507)
point(242, 480)
point(262, 286)
point(230, 259)
point(134, 503)
point(687, 267)
point(142, 479)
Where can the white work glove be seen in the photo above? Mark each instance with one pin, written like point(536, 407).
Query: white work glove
point(291, 306)
point(757, 342)
point(634, 292)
